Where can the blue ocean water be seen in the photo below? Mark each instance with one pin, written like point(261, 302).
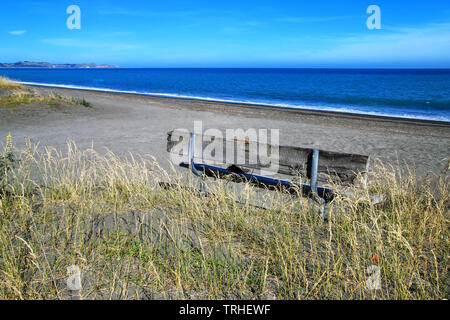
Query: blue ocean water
point(410, 93)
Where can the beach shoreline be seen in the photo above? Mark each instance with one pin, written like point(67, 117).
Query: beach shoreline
point(261, 106)
point(135, 123)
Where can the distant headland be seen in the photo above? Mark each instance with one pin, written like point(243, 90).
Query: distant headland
point(29, 64)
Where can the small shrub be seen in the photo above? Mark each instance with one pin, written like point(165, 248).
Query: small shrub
point(83, 102)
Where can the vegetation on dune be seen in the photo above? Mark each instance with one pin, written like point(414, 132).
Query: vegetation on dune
point(17, 94)
point(133, 239)
point(6, 83)
point(82, 102)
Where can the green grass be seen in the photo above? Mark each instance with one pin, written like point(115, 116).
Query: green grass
point(133, 239)
point(21, 95)
point(83, 102)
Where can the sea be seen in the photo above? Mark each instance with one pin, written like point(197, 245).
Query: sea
point(404, 93)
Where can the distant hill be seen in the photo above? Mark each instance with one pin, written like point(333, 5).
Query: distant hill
point(29, 64)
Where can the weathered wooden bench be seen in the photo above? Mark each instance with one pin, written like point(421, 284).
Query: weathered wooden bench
point(315, 173)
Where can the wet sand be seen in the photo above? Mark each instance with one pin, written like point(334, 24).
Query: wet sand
point(139, 124)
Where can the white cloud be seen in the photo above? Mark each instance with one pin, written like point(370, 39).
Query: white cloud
point(17, 32)
point(428, 43)
point(67, 42)
point(310, 19)
point(422, 46)
point(146, 13)
point(77, 43)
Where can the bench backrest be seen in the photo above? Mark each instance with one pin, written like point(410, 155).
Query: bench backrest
point(341, 168)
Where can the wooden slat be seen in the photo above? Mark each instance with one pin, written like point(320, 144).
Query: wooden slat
point(295, 161)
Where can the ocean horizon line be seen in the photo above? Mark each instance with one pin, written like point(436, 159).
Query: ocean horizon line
point(244, 68)
point(349, 111)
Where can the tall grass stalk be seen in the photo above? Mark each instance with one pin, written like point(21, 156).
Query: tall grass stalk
point(134, 239)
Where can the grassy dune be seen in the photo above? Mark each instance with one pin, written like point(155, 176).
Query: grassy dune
point(133, 239)
point(6, 83)
point(14, 94)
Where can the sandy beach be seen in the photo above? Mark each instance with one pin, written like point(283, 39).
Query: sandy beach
point(139, 124)
point(115, 221)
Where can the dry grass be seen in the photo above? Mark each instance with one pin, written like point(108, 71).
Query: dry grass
point(6, 83)
point(133, 239)
point(17, 94)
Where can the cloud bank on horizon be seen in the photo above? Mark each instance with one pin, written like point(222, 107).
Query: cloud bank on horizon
point(234, 33)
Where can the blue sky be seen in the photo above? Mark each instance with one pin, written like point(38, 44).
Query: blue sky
point(188, 33)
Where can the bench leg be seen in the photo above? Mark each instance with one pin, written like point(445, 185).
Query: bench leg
point(314, 170)
point(202, 185)
point(191, 156)
point(323, 210)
